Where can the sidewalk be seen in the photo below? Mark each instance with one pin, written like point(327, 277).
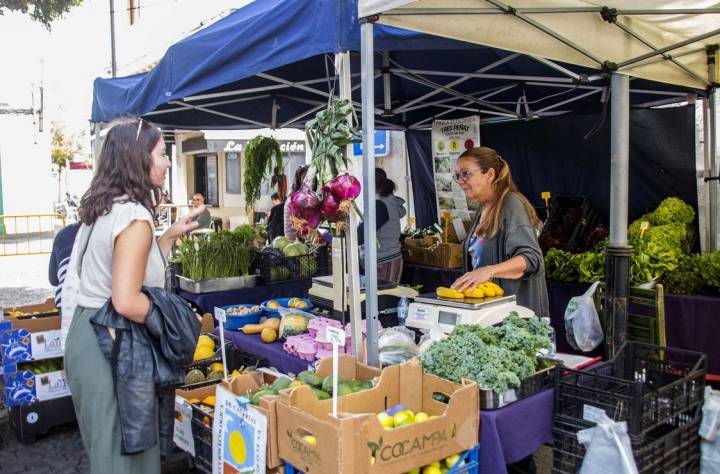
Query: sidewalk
point(24, 280)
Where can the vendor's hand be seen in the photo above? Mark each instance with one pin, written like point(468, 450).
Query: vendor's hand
point(472, 279)
point(185, 224)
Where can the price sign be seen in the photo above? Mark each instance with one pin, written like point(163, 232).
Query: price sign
point(182, 434)
point(220, 316)
point(336, 337)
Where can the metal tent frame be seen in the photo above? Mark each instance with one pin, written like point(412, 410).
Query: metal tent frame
point(618, 251)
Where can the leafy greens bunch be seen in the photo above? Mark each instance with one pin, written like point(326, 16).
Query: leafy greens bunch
point(496, 358)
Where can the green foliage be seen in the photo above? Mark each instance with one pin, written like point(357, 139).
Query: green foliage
point(263, 158)
point(223, 254)
point(43, 11)
point(63, 149)
point(496, 358)
point(672, 210)
point(687, 278)
point(328, 135)
point(585, 267)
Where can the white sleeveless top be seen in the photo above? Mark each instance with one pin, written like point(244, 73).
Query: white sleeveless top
point(96, 277)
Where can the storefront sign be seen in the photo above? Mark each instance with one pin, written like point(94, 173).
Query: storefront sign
point(450, 138)
point(292, 147)
point(232, 146)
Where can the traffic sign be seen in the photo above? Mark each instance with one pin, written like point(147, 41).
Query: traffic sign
point(381, 144)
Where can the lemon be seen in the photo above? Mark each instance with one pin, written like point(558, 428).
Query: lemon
point(386, 420)
point(432, 469)
point(421, 416)
point(451, 460)
point(310, 439)
point(203, 352)
point(403, 418)
point(206, 341)
point(237, 448)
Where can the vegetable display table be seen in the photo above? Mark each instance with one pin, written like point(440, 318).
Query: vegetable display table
point(273, 352)
point(208, 301)
point(507, 434)
point(690, 321)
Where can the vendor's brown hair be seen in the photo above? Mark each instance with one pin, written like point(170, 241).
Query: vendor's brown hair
point(123, 170)
point(491, 222)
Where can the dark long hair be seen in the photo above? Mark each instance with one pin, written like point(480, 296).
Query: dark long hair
point(299, 177)
point(123, 170)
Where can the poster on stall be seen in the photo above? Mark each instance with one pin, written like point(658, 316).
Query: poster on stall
point(239, 435)
point(449, 139)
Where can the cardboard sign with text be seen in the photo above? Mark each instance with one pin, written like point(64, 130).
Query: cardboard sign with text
point(357, 442)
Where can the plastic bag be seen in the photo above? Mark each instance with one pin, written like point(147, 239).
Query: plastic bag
point(292, 322)
point(396, 345)
point(608, 448)
point(709, 437)
point(582, 324)
point(434, 334)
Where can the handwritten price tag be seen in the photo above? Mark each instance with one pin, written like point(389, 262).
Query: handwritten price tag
point(335, 335)
point(220, 315)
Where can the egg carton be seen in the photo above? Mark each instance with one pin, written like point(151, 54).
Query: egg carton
point(292, 342)
point(317, 325)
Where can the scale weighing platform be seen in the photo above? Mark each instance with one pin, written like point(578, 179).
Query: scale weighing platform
point(429, 310)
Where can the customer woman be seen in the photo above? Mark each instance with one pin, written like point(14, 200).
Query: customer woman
point(389, 209)
point(120, 257)
point(290, 231)
point(503, 243)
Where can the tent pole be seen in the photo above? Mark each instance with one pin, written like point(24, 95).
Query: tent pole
point(618, 250)
point(342, 65)
point(712, 53)
point(368, 138)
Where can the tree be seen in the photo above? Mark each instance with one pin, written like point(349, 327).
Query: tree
point(44, 11)
point(63, 150)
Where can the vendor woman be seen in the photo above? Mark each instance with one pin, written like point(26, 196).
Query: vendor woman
point(503, 243)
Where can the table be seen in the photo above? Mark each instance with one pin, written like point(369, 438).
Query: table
point(690, 320)
point(273, 352)
point(208, 301)
point(513, 432)
point(507, 435)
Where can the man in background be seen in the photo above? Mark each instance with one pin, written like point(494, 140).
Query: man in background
point(204, 218)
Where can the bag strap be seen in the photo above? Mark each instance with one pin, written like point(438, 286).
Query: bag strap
point(82, 255)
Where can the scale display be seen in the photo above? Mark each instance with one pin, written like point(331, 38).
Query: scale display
point(445, 317)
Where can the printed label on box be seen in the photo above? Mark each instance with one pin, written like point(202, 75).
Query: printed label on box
point(20, 345)
point(182, 435)
point(47, 344)
point(51, 385)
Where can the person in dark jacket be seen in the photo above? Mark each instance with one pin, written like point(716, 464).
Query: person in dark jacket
point(60, 258)
point(120, 257)
point(389, 209)
point(503, 242)
point(276, 218)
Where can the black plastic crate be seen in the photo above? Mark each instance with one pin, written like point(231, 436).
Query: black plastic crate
point(673, 447)
point(235, 360)
point(644, 385)
point(275, 268)
point(202, 438)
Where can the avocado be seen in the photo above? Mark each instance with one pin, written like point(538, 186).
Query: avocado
point(327, 384)
point(281, 383)
point(321, 395)
point(255, 398)
point(365, 385)
point(310, 378)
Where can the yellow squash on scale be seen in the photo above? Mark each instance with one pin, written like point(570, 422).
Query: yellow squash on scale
point(482, 290)
point(443, 292)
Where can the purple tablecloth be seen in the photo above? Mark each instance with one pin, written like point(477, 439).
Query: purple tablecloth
point(514, 432)
point(208, 301)
point(274, 353)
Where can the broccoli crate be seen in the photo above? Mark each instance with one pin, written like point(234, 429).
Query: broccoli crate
point(26, 383)
point(24, 340)
point(355, 441)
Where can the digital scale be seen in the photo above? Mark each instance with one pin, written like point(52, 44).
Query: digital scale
point(429, 310)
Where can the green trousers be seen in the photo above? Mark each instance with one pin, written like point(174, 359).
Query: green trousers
point(89, 376)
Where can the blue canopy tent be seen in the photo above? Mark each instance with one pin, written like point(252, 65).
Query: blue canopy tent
point(269, 64)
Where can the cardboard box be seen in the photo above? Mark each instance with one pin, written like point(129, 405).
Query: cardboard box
point(23, 387)
point(348, 368)
point(356, 442)
point(46, 308)
point(24, 340)
point(430, 251)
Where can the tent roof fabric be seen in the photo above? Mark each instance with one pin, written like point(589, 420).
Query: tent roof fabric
point(270, 64)
point(575, 31)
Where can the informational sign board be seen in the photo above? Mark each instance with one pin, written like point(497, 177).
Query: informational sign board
point(450, 138)
point(381, 144)
point(239, 435)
